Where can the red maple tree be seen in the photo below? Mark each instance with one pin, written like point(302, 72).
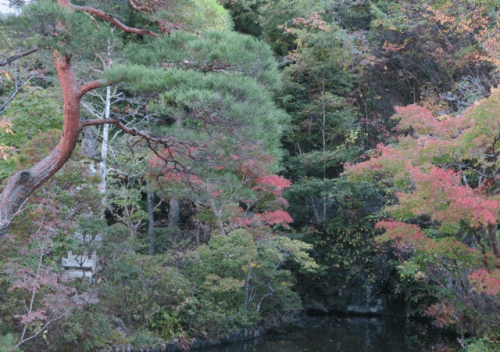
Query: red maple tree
point(444, 174)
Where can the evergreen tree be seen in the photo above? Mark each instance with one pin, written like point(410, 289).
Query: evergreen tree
point(201, 75)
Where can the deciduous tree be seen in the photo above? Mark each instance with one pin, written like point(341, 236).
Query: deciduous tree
point(444, 175)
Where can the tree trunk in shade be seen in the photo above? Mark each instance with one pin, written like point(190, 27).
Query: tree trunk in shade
point(174, 212)
point(151, 220)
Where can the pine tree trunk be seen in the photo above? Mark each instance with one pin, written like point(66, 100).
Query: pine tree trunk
point(22, 183)
point(174, 210)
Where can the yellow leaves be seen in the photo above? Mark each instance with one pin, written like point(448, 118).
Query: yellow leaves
point(314, 21)
point(252, 265)
point(7, 75)
point(490, 41)
point(392, 47)
point(5, 126)
point(435, 103)
point(5, 150)
point(439, 16)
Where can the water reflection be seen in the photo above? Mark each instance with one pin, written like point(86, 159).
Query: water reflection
point(355, 334)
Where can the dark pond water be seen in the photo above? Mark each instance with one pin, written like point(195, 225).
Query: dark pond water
point(353, 334)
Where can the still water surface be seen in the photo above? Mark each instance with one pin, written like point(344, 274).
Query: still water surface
point(353, 334)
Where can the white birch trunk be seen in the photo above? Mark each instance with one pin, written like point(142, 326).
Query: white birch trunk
point(103, 170)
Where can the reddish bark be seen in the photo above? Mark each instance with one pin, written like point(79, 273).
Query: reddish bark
point(91, 86)
point(109, 18)
point(22, 183)
point(136, 5)
point(106, 16)
point(151, 8)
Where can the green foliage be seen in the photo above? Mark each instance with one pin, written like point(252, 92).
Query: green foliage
point(203, 87)
point(196, 16)
point(83, 331)
point(339, 224)
point(32, 112)
point(245, 15)
point(243, 102)
point(8, 343)
point(148, 291)
point(345, 65)
point(245, 280)
point(37, 25)
point(274, 14)
point(231, 283)
point(144, 338)
point(214, 16)
point(227, 52)
point(480, 345)
point(317, 80)
point(8, 167)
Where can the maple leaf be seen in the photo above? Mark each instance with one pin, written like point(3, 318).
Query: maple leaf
point(487, 282)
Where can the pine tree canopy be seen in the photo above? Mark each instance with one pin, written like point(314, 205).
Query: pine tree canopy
point(204, 86)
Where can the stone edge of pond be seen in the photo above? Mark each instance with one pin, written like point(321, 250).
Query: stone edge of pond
point(176, 345)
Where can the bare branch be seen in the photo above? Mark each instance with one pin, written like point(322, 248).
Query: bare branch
point(135, 132)
point(92, 111)
point(18, 56)
point(4, 106)
point(39, 331)
point(4, 223)
point(124, 173)
point(265, 296)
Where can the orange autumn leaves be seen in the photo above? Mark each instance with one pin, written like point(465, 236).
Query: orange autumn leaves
point(445, 169)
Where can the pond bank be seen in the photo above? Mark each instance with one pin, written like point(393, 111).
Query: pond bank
point(350, 334)
point(326, 333)
point(194, 344)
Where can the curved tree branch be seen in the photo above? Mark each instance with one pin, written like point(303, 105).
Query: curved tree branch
point(140, 7)
point(22, 183)
point(134, 132)
point(18, 56)
point(108, 17)
point(98, 83)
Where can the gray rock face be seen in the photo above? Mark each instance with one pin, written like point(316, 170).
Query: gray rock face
point(367, 303)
